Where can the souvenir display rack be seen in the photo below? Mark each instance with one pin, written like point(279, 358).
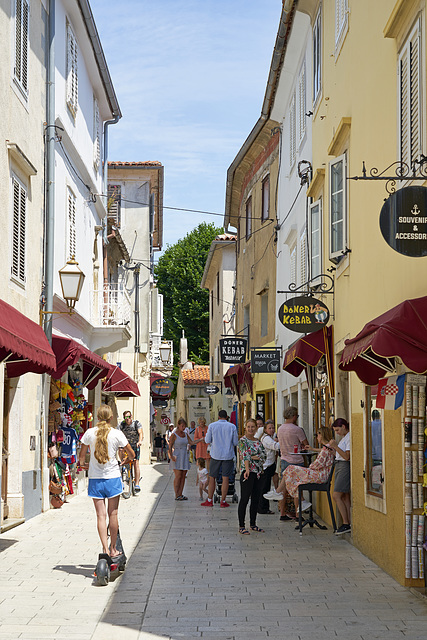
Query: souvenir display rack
point(414, 425)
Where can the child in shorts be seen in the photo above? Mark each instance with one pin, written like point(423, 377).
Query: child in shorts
point(202, 477)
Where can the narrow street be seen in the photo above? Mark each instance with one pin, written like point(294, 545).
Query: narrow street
point(190, 575)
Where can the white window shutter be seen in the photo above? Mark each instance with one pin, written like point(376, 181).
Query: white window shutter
point(341, 9)
point(293, 266)
point(303, 259)
point(301, 104)
point(96, 135)
point(71, 225)
point(19, 231)
point(292, 132)
point(72, 79)
point(22, 14)
point(410, 98)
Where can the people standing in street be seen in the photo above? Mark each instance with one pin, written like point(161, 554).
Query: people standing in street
point(104, 475)
point(178, 453)
point(222, 436)
point(135, 435)
point(202, 447)
point(202, 479)
point(192, 436)
point(259, 426)
point(271, 447)
point(252, 456)
point(158, 446)
point(291, 439)
point(341, 493)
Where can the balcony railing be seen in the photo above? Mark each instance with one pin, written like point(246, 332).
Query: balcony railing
point(111, 306)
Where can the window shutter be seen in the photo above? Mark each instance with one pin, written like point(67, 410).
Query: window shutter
point(72, 80)
point(301, 104)
point(292, 132)
point(293, 266)
point(96, 135)
point(114, 204)
point(340, 18)
point(22, 12)
point(18, 231)
point(303, 259)
point(71, 224)
point(317, 56)
point(410, 98)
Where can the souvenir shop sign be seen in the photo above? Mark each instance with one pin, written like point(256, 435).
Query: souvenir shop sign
point(211, 389)
point(403, 221)
point(162, 387)
point(233, 350)
point(303, 314)
point(265, 360)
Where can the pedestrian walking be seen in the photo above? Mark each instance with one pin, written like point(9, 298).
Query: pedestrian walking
point(202, 478)
point(135, 435)
point(158, 446)
point(252, 456)
point(222, 436)
point(202, 447)
point(271, 446)
point(341, 493)
point(178, 453)
point(104, 474)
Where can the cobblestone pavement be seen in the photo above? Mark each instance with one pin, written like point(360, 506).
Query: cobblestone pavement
point(190, 575)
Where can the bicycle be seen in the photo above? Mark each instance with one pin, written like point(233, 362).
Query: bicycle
point(128, 479)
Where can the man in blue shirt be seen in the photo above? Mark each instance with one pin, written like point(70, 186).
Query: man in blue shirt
point(222, 436)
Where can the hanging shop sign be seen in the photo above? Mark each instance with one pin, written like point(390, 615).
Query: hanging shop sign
point(211, 389)
point(403, 221)
point(162, 387)
point(265, 360)
point(260, 405)
point(160, 403)
point(233, 350)
point(303, 314)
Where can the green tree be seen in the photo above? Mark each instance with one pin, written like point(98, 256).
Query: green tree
point(185, 305)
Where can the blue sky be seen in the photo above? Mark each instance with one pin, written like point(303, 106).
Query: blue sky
point(190, 78)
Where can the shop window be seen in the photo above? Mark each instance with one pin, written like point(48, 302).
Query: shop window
point(374, 444)
point(315, 218)
point(20, 71)
point(410, 91)
point(264, 315)
point(71, 225)
point(265, 205)
point(72, 80)
point(19, 223)
point(317, 56)
point(248, 218)
point(338, 208)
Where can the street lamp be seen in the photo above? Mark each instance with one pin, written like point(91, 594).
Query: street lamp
point(72, 278)
point(165, 352)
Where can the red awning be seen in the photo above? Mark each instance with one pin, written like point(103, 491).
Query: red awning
point(68, 352)
point(400, 332)
point(24, 347)
point(308, 350)
point(119, 383)
point(237, 375)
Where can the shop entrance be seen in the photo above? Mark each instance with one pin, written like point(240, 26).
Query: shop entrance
point(5, 449)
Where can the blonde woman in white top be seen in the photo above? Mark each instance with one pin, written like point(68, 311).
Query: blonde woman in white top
point(272, 447)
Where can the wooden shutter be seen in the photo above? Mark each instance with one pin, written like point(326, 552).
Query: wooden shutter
point(410, 98)
point(22, 13)
point(71, 225)
point(293, 266)
point(18, 230)
point(292, 132)
point(301, 104)
point(96, 135)
point(72, 79)
point(114, 204)
point(303, 259)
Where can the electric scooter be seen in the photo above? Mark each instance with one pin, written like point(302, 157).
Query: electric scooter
point(105, 566)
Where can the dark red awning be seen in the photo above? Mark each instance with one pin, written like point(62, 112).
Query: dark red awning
point(24, 347)
point(68, 352)
point(308, 350)
point(119, 383)
point(237, 375)
point(400, 332)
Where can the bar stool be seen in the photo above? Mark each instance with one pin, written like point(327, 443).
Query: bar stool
point(310, 487)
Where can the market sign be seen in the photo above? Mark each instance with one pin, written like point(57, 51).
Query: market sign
point(162, 387)
point(265, 360)
point(159, 403)
point(233, 350)
point(403, 221)
point(211, 389)
point(304, 314)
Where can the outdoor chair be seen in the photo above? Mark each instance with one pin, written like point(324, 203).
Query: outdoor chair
point(310, 487)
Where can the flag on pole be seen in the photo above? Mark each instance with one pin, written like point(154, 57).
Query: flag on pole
point(390, 392)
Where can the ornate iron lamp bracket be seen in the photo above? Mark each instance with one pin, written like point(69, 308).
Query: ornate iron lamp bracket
point(319, 287)
point(402, 171)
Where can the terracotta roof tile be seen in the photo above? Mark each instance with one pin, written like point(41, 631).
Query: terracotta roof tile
point(225, 237)
point(148, 163)
point(199, 375)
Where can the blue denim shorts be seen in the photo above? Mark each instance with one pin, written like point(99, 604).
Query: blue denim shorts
point(101, 488)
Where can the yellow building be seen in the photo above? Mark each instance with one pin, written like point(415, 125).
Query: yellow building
point(369, 71)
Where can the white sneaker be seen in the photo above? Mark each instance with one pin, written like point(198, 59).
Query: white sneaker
point(305, 506)
point(273, 495)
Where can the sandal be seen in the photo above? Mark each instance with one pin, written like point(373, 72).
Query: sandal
point(179, 498)
point(244, 531)
point(257, 529)
point(184, 498)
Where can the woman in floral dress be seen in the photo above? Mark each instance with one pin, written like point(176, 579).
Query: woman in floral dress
point(252, 456)
point(317, 472)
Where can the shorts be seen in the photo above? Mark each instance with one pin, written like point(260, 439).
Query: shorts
point(101, 488)
point(284, 464)
point(342, 476)
point(224, 467)
point(136, 451)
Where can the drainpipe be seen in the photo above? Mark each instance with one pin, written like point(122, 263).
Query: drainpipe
point(137, 272)
point(50, 174)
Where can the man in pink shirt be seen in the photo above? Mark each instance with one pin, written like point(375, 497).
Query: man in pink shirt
point(290, 436)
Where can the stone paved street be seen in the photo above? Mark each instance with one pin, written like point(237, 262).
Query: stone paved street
point(190, 575)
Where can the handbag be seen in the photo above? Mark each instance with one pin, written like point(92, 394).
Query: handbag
point(56, 502)
point(53, 451)
point(55, 487)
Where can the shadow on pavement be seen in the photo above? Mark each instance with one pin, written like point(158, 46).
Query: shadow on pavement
point(80, 569)
point(5, 543)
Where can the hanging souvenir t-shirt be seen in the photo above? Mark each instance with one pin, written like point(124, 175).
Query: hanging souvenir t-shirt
point(69, 444)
